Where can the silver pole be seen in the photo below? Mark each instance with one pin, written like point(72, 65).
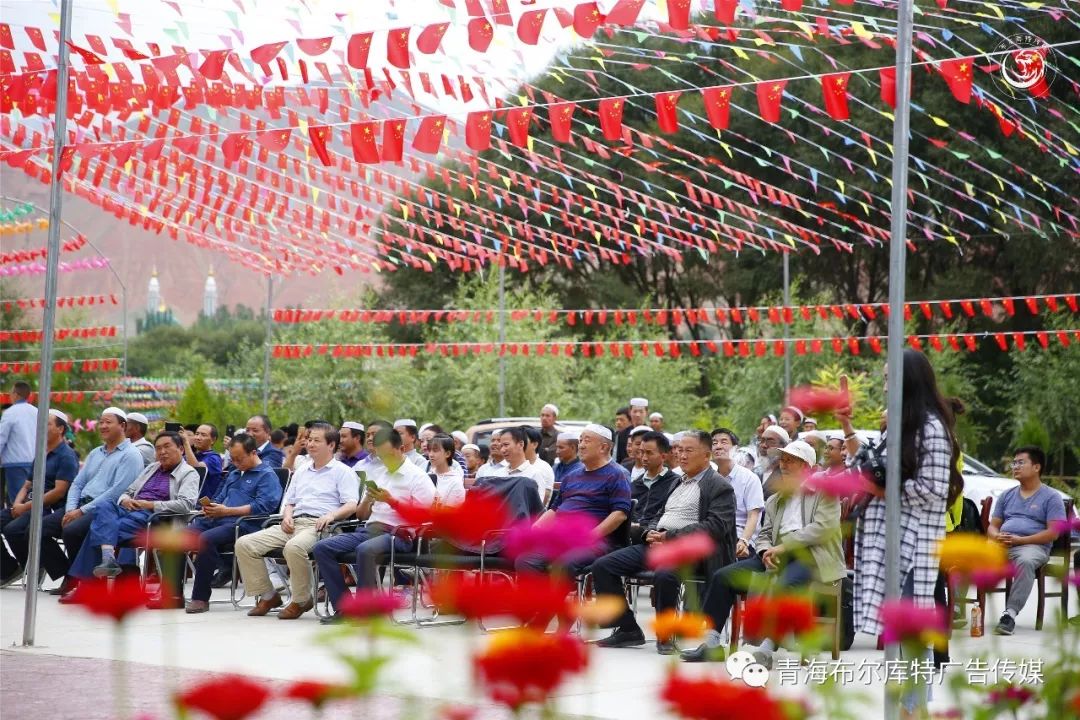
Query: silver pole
point(52, 262)
point(502, 339)
point(897, 278)
point(268, 343)
point(123, 305)
point(787, 329)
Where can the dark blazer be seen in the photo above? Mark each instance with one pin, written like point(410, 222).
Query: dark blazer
point(716, 516)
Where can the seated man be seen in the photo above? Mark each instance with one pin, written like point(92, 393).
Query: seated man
point(400, 481)
point(495, 464)
point(199, 452)
point(475, 457)
point(1022, 522)
point(136, 433)
point(652, 487)
point(167, 485)
point(109, 469)
point(251, 488)
point(633, 463)
point(599, 489)
point(259, 427)
point(61, 467)
point(749, 498)
point(566, 455)
point(700, 501)
point(799, 542)
point(352, 443)
point(541, 472)
point(768, 470)
point(322, 492)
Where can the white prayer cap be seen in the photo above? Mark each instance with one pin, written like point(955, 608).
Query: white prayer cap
point(779, 432)
point(138, 417)
point(57, 414)
point(656, 416)
point(670, 438)
point(801, 450)
point(460, 436)
point(554, 409)
point(470, 446)
point(423, 427)
point(115, 411)
point(404, 422)
point(677, 436)
point(639, 402)
point(353, 425)
point(639, 429)
point(598, 430)
point(569, 435)
point(810, 420)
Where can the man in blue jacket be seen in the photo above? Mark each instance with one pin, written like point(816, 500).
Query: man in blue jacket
point(251, 488)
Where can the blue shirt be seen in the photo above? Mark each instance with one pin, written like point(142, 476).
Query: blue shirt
point(597, 492)
point(258, 487)
point(1027, 516)
point(271, 455)
point(105, 476)
point(60, 464)
point(18, 429)
point(212, 461)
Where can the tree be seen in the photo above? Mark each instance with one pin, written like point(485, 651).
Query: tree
point(196, 405)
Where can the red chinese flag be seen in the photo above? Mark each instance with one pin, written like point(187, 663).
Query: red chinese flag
point(362, 135)
point(529, 26)
point(36, 38)
point(500, 10)
point(517, 122)
point(717, 106)
point(214, 65)
point(275, 140)
point(232, 147)
point(429, 137)
point(393, 139)
point(319, 134)
point(430, 37)
point(357, 53)
point(769, 94)
point(587, 18)
point(314, 46)
point(397, 47)
point(725, 10)
point(834, 90)
point(611, 110)
point(679, 14)
point(667, 116)
point(625, 12)
point(478, 130)
point(888, 86)
point(87, 56)
point(480, 34)
point(560, 116)
point(265, 53)
point(957, 74)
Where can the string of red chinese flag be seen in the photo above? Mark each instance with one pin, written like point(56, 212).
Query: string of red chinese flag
point(33, 336)
point(73, 396)
point(874, 344)
point(23, 256)
point(775, 314)
point(64, 301)
point(86, 366)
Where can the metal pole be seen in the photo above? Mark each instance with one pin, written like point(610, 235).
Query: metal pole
point(502, 338)
point(123, 305)
point(52, 262)
point(787, 328)
point(268, 343)
point(897, 278)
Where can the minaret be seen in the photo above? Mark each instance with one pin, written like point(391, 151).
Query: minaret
point(209, 301)
point(153, 293)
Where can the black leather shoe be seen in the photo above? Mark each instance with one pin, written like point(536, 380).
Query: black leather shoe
point(623, 639)
point(222, 579)
point(702, 653)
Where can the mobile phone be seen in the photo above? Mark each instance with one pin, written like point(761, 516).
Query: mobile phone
point(173, 427)
point(230, 430)
point(204, 501)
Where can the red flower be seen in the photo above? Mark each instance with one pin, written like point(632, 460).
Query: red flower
point(905, 621)
point(814, 400)
point(368, 603)
point(233, 697)
point(466, 524)
point(777, 617)
point(713, 699)
point(990, 578)
point(116, 599)
point(522, 665)
point(1012, 696)
point(315, 693)
point(530, 597)
point(685, 550)
point(565, 538)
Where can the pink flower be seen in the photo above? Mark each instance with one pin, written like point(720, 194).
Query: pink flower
point(905, 621)
point(1074, 579)
point(1012, 695)
point(990, 578)
point(837, 484)
point(818, 400)
point(563, 539)
point(685, 550)
point(1066, 526)
point(365, 604)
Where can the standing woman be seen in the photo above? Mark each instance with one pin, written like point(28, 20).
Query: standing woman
point(448, 476)
point(930, 481)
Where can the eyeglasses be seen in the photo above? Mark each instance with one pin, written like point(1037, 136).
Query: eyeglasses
point(1018, 463)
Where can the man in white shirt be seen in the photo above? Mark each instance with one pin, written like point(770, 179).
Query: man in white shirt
point(322, 492)
point(495, 465)
point(409, 435)
point(514, 441)
point(542, 472)
point(400, 483)
point(749, 497)
point(18, 431)
point(136, 433)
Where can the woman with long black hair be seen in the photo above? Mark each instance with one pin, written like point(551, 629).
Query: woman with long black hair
point(931, 481)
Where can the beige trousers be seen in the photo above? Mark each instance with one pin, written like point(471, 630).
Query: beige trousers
point(297, 545)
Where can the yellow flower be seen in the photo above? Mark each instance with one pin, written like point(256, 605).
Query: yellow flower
point(604, 609)
point(671, 624)
point(965, 553)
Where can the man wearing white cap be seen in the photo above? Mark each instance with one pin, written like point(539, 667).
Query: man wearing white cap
point(639, 409)
point(460, 440)
point(61, 467)
point(108, 471)
point(407, 429)
point(773, 437)
point(791, 419)
point(633, 462)
point(495, 465)
point(351, 443)
point(549, 435)
point(566, 454)
point(799, 541)
point(656, 422)
point(136, 433)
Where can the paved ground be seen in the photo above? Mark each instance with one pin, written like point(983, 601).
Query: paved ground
point(169, 649)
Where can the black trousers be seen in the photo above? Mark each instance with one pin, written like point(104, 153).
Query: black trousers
point(74, 535)
point(17, 534)
point(608, 573)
